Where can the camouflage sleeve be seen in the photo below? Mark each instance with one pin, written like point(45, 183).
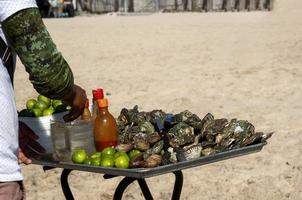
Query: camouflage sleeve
point(48, 70)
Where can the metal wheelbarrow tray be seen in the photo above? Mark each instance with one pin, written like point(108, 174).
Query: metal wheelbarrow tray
point(141, 173)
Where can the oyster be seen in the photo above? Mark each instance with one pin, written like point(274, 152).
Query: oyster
point(153, 161)
point(140, 142)
point(146, 127)
point(190, 151)
point(130, 116)
point(183, 116)
point(169, 156)
point(181, 134)
point(153, 138)
point(124, 147)
point(156, 114)
point(256, 138)
point(212, 128)
point(126, 135)
point(208, 151)
point(206, 119)
point(156, 149)
point(137, 161)
point(234, 134)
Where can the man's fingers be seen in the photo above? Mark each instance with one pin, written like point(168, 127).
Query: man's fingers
point(74, 114)
point(23, 158)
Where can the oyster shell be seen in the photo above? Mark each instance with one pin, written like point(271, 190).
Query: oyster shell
point(181, 134)
point(153, 138)
point(140, 142)
point(146, 127)
point(208, 151)
point(206, 119)
point(212, 128)
point(183, 116)
point(124, 147)
point(156, 114)
point(153, 161)
point(156, 149)
point(137, 161)
point(169, 156)
point(130, 116)
point(234, 134)
point(190, 151)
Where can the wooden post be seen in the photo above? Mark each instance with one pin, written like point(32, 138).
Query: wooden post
point(230, 5)
point(156, 2)
point(125, 5)
point(251, 5)
point(209, 5)
point(270, 4)
point(242, 5)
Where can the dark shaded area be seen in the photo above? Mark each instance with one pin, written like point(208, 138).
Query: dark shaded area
point(46, 10)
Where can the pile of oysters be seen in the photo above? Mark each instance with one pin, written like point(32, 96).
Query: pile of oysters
point(167, 138)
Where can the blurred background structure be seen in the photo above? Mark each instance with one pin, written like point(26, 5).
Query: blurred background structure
point(64, 8)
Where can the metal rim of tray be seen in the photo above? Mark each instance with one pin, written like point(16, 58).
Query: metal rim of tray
point(150, 172)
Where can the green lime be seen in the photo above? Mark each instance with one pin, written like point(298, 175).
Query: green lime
point(108, 151)
point(96, 161)
point(44, 99)
point(68, 107)
point(133, 153)
point(107, 162)
point(56, 103)
point(122, 162)
point(48, 112)
point(60, 108)
point(87, 161)
point(30, 104)
point(120, 153)
point(37, 112)
point(26, 113)
point(96, 155)
point(41, 105)
point(51, 108)
point(79, 156)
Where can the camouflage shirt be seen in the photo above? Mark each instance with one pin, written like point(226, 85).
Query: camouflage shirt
point(48, 70)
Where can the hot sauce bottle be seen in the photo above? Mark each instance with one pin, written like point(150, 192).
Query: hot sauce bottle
point(105, 127)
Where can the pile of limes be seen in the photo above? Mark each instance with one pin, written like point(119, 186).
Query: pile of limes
point(108, 157)
point(43, 106)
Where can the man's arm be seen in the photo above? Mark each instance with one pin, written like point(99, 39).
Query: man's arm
point(48, 70)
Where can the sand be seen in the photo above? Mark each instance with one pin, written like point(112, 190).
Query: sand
point(234, 65)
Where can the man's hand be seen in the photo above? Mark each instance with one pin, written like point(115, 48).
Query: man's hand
point(29, 147)
point(76, 99)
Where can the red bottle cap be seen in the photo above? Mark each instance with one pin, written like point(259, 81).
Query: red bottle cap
point(98, 94)
point(87, 103)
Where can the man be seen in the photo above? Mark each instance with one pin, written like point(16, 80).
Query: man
point(48, 72)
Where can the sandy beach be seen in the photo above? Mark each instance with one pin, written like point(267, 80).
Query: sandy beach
point(235, 65)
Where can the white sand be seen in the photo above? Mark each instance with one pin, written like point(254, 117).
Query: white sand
point(243, 65)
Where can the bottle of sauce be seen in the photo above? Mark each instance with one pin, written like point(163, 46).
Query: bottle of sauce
point(105, 128)
point(97, 94)
point(86, 116)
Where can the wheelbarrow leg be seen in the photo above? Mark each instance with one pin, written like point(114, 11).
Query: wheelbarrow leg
point(64, 184)
point(145, 189)
point(118, 194)
point(178, 185)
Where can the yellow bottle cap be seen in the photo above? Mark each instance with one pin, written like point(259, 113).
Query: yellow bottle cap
point(103, 103)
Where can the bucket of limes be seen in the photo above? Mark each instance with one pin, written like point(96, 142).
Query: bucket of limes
point(38, 114)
